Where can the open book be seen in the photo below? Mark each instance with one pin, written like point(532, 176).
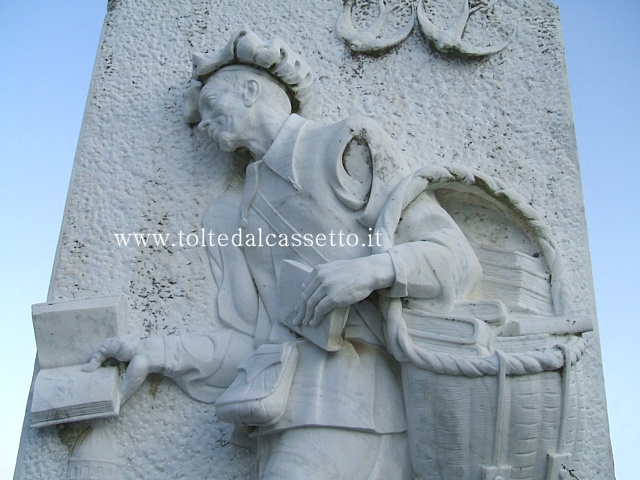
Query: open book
point(67, 334)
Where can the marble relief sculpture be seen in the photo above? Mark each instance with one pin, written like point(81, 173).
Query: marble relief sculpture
point(379, 332)
point(369, 40)
point(374, 38)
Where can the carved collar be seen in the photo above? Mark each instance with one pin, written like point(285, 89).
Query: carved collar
point(280, 157)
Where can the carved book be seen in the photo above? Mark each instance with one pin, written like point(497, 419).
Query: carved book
point(328, 333)
point(67, 394)
point(464, 331)
point(518, 279)
point(67, 333)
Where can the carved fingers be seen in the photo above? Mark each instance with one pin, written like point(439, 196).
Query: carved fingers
point(341, 283)
point(118, 348)
point(145, 356)
point(329, 286)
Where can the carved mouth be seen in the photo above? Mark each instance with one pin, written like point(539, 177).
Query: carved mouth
point(211, 131)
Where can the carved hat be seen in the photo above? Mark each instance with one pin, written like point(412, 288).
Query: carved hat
point(246, 48)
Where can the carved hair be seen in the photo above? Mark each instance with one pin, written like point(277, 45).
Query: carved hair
point(275, 58)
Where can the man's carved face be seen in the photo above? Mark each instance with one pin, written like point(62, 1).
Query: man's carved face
point(225, 117)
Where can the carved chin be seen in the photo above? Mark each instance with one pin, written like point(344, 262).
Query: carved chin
point(226, 143)
point(225, 147)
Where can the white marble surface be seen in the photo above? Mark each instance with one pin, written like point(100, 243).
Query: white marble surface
point(104, 154)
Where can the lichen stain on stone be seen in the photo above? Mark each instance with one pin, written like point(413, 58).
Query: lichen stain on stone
point(154, 384)
point(68, 433)
point(112, 5)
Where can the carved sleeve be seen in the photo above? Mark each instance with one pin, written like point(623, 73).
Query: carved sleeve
point(432, 258)
point(203, 365)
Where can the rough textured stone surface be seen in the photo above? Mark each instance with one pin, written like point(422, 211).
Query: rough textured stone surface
point(141, 168)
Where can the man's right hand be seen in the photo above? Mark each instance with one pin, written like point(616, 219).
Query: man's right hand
point(145, 357)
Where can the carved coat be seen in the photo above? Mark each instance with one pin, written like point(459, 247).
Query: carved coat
point(313, 180)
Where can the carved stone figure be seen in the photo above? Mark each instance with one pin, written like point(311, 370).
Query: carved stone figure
point(314, 194)
point(369, 335)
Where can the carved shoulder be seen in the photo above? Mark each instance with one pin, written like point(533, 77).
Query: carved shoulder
point(371, 157)
point(358, 138)
point(358, 166)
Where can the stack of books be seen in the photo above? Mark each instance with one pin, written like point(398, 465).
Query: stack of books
point(519, 280)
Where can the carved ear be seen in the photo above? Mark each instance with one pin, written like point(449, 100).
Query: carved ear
point(252, 90)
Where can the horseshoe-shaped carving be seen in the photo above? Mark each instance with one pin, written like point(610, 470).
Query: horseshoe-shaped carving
point(449, 40)
point(369, 40)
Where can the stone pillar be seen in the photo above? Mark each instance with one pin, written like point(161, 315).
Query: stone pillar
point(140, 168)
